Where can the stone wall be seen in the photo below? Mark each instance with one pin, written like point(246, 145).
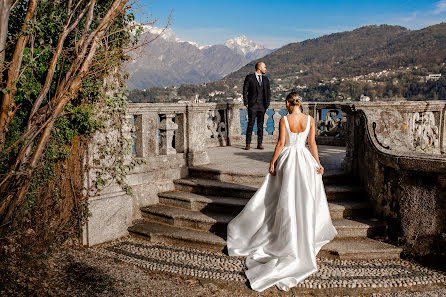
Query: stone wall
point(397, 152)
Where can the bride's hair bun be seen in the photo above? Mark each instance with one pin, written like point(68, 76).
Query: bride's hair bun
point(294, 99)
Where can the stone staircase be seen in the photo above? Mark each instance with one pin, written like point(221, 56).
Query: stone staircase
point(197, 212)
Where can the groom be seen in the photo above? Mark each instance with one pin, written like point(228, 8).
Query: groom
point(256, 97)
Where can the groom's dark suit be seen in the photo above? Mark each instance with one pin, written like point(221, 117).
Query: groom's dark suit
point(257, 97)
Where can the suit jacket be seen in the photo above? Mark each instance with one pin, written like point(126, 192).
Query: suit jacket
point(250, 90)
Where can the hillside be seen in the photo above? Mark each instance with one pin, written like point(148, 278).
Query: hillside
point(378, 61)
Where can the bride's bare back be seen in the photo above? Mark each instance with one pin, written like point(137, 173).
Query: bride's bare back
point(297, 122)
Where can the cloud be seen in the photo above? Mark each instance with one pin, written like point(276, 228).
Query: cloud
point(440, 7)
point(408, 19)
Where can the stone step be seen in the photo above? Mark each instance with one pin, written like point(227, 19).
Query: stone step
point(218, 204)
point(202, 202)
point(217, 222)
point(348, 209)
point(344, 249)
point(348, 228)
point(218, 188)
point(203, 172)
point(180, 217)
point(360, 249)
point(214, 188)
point(161, 233)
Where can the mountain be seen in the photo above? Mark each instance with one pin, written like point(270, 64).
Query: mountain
point(168, 61)
point(371, 59)
point(248, 48)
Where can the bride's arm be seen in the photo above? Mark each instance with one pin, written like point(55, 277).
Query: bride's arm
point(313, 146)
point(279, 146)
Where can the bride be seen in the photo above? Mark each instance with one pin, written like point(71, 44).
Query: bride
point(287, 221)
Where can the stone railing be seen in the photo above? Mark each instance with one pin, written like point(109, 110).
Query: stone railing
point(172, 137)
point(170, 129)
point(329, 118)
point(165, 129)
point(397, 152)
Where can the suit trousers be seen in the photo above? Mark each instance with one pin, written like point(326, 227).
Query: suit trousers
point(254, 114)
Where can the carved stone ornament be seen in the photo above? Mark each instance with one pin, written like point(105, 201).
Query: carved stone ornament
point(424, 132)
point(216, 126)
point(389, 129)
point(330, 126)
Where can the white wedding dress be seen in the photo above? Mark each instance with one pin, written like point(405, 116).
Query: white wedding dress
point(287, 221)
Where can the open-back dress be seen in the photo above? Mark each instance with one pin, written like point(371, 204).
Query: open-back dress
point(287, 221)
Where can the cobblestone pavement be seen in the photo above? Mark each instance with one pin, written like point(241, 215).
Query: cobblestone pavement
point(374, 275)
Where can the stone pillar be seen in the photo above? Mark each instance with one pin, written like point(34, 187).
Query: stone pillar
point(234, 126)
point(146, 134)
point(349, 132)
point(312, 110)
point(180, 135)
point(306, 109)
point(196, 135)
point(442, 130)
point(167, 129)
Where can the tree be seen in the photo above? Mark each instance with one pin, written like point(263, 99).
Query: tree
point(76, 40)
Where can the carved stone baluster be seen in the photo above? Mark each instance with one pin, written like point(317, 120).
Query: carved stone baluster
point(265, 120)
point(276, 118)
point(318, 120)
point(222, 128)
point(210, 124)
point(245, 120)
point(234, 127)
point(167, 127)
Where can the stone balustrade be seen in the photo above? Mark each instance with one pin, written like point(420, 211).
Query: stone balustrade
point(172, 137)
point(166, 129)
point(396, 150)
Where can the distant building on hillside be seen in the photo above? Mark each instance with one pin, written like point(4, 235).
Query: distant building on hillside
point(433, 77)
point(364, 98)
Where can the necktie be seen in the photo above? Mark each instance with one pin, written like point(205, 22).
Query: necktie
point(259, 79)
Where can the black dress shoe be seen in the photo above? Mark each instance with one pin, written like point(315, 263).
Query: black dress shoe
point(260, 147)
point(247, 147)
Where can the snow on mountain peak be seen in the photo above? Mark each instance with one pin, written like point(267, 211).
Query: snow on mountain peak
point(243, 44)
point(167, 34)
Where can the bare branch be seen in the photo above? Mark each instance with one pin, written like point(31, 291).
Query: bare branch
point(13, 5)
point(53, 64)
point(88, 22)
point(5, 8)
point(8, 98)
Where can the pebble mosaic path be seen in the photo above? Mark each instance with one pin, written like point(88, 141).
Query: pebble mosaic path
point(332, 273)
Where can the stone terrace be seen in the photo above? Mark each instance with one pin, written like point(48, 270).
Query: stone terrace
point(383, 161)
point(256, 162)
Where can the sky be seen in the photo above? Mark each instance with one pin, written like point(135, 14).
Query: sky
point(276, 23)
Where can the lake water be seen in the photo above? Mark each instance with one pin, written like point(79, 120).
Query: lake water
point(270, 122)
